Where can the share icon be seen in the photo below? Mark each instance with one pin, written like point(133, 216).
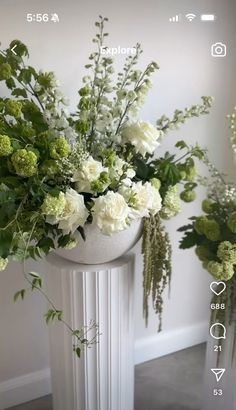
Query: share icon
point(218, 373)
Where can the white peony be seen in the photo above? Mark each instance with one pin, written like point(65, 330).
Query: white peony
point(142, 135)
point(146, 199)
point(75, 212)
point(73, 215)
point(89, 171)
point(110, 213)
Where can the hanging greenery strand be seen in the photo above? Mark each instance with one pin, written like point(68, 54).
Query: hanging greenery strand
point(156, 250)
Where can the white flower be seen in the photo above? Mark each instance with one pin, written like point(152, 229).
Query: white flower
point(171, 203)
point(3, 263)
point(75, 212)
point(142, 135)
point(110, 213)
point(89, 171)
point(145, 198)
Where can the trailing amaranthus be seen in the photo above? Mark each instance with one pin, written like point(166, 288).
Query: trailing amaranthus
point(156, 249)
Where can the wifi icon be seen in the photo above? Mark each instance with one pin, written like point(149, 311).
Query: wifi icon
point(190, 17)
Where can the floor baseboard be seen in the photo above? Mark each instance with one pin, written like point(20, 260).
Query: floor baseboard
point(168, 342)
point(25, 388)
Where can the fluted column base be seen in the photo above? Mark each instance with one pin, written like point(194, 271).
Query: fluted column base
point(103, 378)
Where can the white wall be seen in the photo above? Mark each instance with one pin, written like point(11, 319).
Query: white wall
point(187, 72)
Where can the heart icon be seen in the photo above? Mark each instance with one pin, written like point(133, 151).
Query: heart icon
point(217, 287)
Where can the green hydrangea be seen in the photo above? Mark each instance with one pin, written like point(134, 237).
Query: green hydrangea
point(24, 162)
point(199, 224)
point(228, 271)
point(5, 71)
point(60, 148)
point(171, 204)
point(156, 183)
point(13, 108)
point(212, 230)
point(188, 195)
point(231, 222)
point(53, 205)
point(221, 271)
point(215, 269)
point(50, 168)
point(208, 227)
point(203, 253)
point(5, 146)
point(3, 263)
point(207, 206)
point(227, 252)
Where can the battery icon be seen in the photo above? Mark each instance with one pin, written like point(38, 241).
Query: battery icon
point(208, 17)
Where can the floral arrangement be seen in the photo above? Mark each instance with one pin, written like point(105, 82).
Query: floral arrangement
point(60, 171)
point(213, 235)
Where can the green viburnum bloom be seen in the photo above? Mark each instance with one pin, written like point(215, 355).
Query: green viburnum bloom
point(24, 162)
point(200, 224)
point(188, 195)
point(60, 148)
point(212, 230)
point(231, 222)
point(3, 263)
point(54, 206)
point(207, 206)
point(49, 168)
point(228, 271)
point(227, 252)
point(221, 271)
point(5, 146)
point(5, 71)
point(215, 269)
point(203, 253)
point(171, 204)
point(156, 183)
point(14, 108)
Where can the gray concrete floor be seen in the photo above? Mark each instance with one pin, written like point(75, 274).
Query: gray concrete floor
point(173, 382)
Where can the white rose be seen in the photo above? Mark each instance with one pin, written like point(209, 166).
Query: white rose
point(147, 199)
point(75, 212)
point(142, 135)
point(90, 171)
point(110, 213)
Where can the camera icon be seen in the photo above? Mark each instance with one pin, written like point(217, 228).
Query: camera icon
point(218, 50)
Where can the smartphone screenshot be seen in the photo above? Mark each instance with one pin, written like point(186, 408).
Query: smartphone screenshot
point(117, 205)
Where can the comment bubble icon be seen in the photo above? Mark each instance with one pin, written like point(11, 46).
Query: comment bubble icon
point(218, 331)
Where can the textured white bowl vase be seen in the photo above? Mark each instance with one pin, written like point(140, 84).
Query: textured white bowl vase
point(99, 248)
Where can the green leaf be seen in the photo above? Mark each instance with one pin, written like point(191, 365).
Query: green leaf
point(19, 294)
point(78, 351)
point(7, 196)
point(10, 83)
point(181, 144)
point(6, 237)
point(189, 240)
point(185, 228)
point(46, 244)
point(19, 92)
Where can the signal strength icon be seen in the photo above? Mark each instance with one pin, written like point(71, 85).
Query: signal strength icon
point(175, 19)
point(190, 17)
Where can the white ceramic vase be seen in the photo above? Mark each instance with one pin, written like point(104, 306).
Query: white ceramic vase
point(99, 248)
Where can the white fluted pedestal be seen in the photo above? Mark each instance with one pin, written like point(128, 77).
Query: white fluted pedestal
point(103, 378)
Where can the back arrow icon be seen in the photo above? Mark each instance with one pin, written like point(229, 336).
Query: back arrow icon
point(13, 48)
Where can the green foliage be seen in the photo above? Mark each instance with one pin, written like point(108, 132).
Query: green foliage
point(19, 295)
point(52, 315)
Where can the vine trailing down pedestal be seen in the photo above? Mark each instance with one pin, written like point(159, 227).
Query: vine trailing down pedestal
point(62, 171)
point(213, 234)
